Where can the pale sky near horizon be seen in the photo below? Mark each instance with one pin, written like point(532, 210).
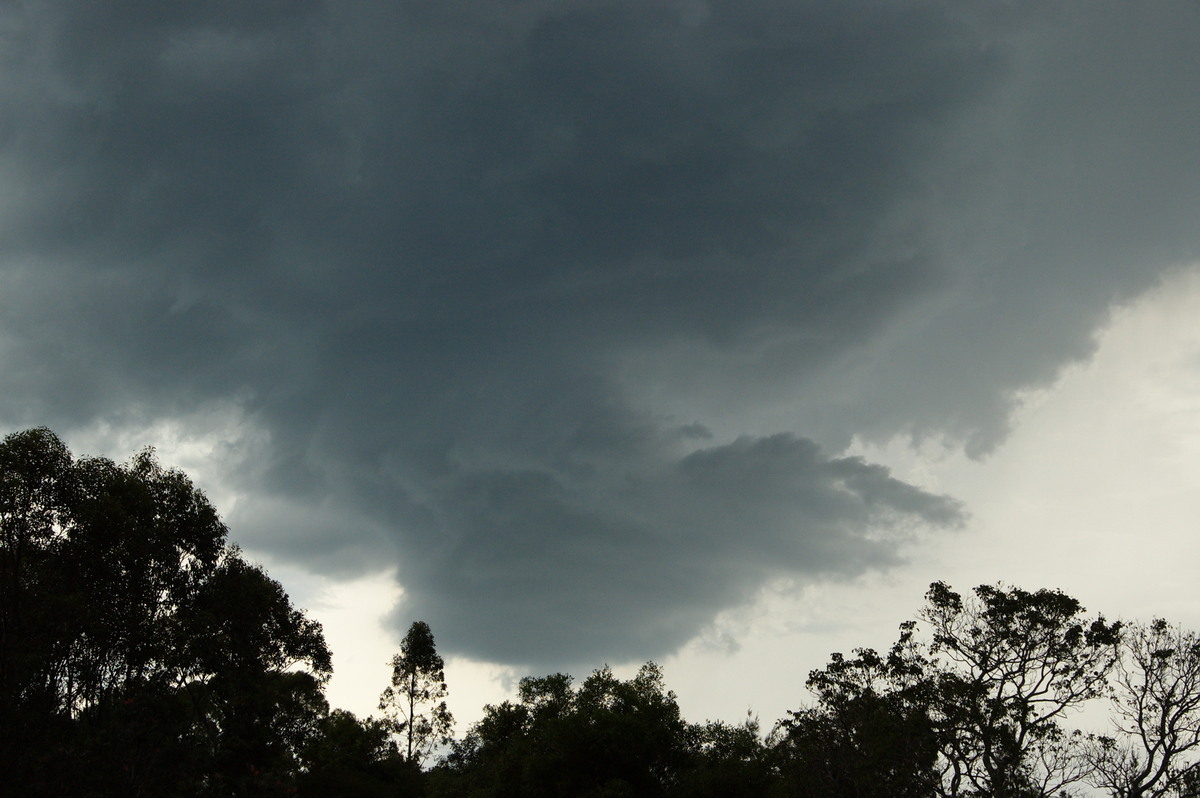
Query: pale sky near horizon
point(702, 331)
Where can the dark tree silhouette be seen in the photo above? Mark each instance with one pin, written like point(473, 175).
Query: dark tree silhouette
point(353, 758)
point(606, 737)
point(1153, 749)
point(976, 710)
point(139, 654)
point(1011, 665)
point(413, 703)
point(871, 732)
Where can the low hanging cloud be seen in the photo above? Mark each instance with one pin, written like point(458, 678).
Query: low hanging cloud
point(565, 310)
point(598, 566)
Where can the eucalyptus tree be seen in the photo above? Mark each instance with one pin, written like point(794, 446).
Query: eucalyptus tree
point(413, 703)
point(96, 558)
point(139, 652)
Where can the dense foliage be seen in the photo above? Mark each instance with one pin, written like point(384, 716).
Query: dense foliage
point(142, 655)
point(139, 653)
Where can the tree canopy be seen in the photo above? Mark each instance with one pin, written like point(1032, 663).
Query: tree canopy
point(138, 648)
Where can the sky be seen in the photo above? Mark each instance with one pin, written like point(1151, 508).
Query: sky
point(604, 331)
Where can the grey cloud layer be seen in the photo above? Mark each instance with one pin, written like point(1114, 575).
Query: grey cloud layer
point(640, 565)
point(558, 305)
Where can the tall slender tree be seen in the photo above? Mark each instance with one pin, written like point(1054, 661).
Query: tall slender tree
point(413, 703)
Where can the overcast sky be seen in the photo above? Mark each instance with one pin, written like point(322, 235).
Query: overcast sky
point(607, 331)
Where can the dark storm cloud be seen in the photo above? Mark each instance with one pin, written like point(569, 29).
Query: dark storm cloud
point(643, 562)
point(566, 308)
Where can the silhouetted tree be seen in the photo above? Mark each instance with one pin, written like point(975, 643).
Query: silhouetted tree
point(976, 710)
point(1156, 716)
point(254, 667)
point(1009, 666)
point(352, 758)
point(139, 654)
point(871, 732)
point(724, 760)
point(606, 737)
point(412, 703)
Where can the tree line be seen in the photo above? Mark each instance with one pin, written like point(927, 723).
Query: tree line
point(142, 655)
